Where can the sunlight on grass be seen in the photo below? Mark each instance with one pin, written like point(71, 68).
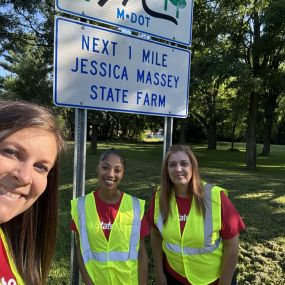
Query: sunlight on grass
point(256, 195)
point(279, 200)
point(59, 273)
point(152, 140)
point(91, 181)
point(65, 186)
point(281, 167)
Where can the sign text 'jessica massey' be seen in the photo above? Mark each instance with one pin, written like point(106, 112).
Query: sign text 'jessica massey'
point(102, 69)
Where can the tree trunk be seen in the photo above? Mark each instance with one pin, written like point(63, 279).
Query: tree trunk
point(267, 138)
point(212, 135)
point(94, 138)
point(182, 137)
point(233, 135)
point(107, 125)
point(269, 119)
point(251, 132)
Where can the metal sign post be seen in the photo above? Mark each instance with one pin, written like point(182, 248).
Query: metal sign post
point(168, 129)
point(78, 178)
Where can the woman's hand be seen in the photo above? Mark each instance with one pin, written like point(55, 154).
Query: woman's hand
point(230, 256)
point(156, 244)
point(142, 264)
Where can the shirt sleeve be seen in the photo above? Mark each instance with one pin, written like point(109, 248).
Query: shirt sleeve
point(150, 213)
point(232, 223)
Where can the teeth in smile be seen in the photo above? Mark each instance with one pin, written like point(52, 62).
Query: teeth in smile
point(109, 181)
point(9, 194)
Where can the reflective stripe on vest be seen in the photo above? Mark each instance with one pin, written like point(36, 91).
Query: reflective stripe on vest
point(192, 251)
point(208, 229)
point(87, 253)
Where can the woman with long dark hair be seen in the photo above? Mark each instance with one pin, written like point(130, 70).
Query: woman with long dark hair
point(30, 144)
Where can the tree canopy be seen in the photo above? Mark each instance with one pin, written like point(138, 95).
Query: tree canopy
point(237, 72)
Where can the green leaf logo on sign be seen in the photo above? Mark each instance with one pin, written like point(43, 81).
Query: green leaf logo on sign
point(180, 4)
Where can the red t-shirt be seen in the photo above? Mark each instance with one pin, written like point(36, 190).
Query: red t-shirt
point(232, 225)
point(6, 275)
point(107, 214)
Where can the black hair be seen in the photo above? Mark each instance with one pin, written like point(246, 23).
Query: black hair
point(113, 151)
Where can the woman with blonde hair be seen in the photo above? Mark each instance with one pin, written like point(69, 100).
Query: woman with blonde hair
point(195, 227)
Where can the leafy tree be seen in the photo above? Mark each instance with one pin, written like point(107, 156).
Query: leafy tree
point(257, 40)
point(212, 66)
point(274, 73)
point(233, 125)
point(237, 60)
point(21, 21)
point(26, 23)
point(279, 122)
point(30, 76)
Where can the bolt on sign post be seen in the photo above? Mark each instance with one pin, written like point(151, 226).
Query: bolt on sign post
point(167, 19)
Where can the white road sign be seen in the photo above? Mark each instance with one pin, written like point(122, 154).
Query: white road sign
point(167, 19)
point(102, 69)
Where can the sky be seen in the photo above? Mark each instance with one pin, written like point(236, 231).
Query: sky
point(3, 72)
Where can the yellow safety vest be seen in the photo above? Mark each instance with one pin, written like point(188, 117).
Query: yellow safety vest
point(113, 261)
point(12, 265)
point(197, 254)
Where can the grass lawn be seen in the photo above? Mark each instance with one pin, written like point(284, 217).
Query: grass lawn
point(258, 195)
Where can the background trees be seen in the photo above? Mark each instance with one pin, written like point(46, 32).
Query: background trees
point(237, 73)
point(249, 41)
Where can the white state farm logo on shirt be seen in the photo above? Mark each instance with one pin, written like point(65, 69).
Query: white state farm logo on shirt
point(183, 218)
point(106, 226)
point(9, 282)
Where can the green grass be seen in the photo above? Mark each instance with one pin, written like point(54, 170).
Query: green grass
point(258, 195)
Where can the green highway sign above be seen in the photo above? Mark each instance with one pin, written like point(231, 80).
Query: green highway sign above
point(167, 19)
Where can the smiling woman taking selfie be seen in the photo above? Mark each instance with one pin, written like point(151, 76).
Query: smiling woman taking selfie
point(30, 144)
